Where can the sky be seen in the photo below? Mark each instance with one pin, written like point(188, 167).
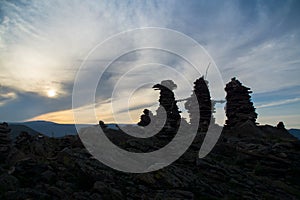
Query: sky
point(44, 43)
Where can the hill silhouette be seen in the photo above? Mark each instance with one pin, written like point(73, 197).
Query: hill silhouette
point(16, 129)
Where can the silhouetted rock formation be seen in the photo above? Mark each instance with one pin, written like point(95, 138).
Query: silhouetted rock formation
point(145, 118)
point(280, 125)
point(102, 124)
point(239, 107)
point(168, 103)
point(5, 141)
point(201, 92)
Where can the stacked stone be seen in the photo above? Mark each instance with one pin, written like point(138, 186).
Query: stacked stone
point(239, 107)
point(201, 99)
point(102, 124)
point(145, 118)
point(5, 141)
point(280, 125)
point(168, 103)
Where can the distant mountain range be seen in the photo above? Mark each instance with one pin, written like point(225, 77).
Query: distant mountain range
point(16, 129)
point(47, 128)
point(295, 132)
point(52, 129)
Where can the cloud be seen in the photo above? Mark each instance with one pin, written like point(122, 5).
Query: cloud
point(7, 97)
point(256, 42)
point(277, 103)
point(103, 112)
point(42, 41)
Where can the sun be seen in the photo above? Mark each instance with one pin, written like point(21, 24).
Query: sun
point(51, 93)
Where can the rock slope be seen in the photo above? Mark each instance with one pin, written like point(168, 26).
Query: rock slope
point(248, 162)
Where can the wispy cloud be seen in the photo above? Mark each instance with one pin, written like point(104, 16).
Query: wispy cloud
point(277, 103)
point(7, 97)
point(40, 40)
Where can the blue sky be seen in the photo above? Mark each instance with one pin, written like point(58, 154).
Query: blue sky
point(43, 43)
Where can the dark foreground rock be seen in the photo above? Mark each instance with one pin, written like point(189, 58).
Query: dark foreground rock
point(249, 162)
point(5, 141)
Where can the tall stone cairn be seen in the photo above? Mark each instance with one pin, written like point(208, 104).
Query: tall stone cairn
point(168, 103)
point(5, 142)
point(239, 107)
point(201, 92)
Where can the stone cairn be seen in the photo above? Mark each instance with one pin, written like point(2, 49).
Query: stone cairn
point(168, 103)
point(204, 104)
point(280, 125)
point(102, 125)
point(5, 141)
point(239, 107)
point(145, 118)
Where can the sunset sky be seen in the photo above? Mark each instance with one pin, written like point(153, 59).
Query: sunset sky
point(43, 44)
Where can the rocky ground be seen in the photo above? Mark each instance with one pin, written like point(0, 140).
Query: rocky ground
point(248, 162)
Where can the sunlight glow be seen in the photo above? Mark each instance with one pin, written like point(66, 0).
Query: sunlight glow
point(51, 93)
